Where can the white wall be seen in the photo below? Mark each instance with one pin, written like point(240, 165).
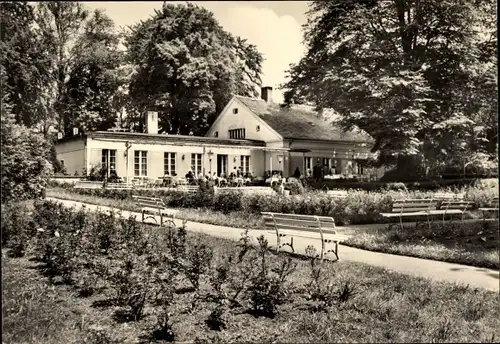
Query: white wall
point(73, 154)
point(243, 119)
point(155, 167)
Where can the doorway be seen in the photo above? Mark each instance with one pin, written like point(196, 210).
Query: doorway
point(222, 164)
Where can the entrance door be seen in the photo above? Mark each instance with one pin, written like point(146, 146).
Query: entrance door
point(221, 164)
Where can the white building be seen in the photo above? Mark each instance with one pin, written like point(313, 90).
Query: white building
point(255, 135)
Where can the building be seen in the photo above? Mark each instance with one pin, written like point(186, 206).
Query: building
point(255, 135)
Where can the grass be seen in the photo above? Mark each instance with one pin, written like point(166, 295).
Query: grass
point(454, 243)
point(386, 307)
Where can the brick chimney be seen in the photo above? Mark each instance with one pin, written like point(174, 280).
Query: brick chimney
point(266, 93)
point(151, 122)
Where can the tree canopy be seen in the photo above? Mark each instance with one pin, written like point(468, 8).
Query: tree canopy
point(417, 75)
point(187, 68)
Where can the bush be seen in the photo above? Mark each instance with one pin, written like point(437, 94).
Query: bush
point(17, 228)
point(25, 160)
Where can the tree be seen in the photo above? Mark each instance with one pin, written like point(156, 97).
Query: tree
point(416, 75)
point(24, 156)
point(187, 68)
point(60, 23)
point(93, 83)
point(24, 66)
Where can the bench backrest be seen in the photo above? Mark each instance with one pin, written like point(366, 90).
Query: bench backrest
point(337, 193)
point(494, 202)
point(306, 223)
point(413, 205)
point(458, 205)
point(189, 188)
point(447, 196)
point(151, 202)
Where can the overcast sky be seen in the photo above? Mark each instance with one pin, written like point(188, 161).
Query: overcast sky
point(273, 26)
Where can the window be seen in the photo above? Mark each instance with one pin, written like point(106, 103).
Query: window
point(237, 133)
point(196, 163)
point(327, 162)
point(359, 169)
point(216, 134)
point(308, 162)
point(169, 163)
point(235, 111)
point(245, 163)
point(109, 160)
point(140, 163)
point(258, 128)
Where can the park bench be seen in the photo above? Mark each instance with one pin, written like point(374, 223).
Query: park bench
point(426, 208)
point(152, 207)
point(493, 208)
point(308, 226)
point(448, 196)
point(337, 194)
point(189, 188)
point(410, 208)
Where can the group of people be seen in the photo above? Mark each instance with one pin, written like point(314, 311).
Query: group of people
point(237, 173)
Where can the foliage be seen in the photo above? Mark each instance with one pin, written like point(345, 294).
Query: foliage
point(24, 155)
point(187, 68)
point(418, 76)
point(25, 67)
point(59, 25)
point(93, 82)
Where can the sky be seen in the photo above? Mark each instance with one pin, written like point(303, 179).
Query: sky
point(273, 26)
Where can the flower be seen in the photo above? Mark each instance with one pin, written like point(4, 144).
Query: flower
point(56, 233)
point(40, 229)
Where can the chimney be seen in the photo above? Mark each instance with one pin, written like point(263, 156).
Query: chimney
point(266, 93)
point(152, 122)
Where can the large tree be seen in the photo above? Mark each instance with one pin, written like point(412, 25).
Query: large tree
point(187, 68)
point(25, 66)
point(89, 96)
point(60, 23)
point(418, 75)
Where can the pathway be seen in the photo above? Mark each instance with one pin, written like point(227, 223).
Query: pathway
point(435, 270)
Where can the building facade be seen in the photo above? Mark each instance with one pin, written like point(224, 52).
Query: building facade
point(253, 135)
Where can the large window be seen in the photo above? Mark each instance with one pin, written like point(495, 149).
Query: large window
point(237, 133)
point(245, 163)
point(169, 163)
point(140, 163)
point(196, 163)
point(108, 159)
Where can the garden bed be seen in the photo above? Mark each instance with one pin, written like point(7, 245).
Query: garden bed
point(474, 244)
point(133, 283)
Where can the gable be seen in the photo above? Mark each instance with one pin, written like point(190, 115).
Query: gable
point(255, 127)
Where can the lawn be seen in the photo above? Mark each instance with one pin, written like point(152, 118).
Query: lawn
point(212, 290)
point(473, 244)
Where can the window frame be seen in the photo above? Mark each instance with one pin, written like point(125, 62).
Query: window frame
point(245, 164)
point(108, 158)
point(141, 160)
point(196, 163)
point(169, 163)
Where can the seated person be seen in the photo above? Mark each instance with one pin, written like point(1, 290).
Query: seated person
point(190, 176)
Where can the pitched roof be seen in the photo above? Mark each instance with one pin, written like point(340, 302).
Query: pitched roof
point(300, 122)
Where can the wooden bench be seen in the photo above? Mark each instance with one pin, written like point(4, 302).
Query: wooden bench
point(493, 208)
point(308, 226)
point(448, 196)
point(411, 208)
point(452, 207)
point(151, 207)
point(426, 208)
point(189, 188)
point(337, 194)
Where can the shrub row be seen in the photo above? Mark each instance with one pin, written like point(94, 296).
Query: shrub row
point(360, 207)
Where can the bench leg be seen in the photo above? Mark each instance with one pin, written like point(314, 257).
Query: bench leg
point(335, 251)
point(288, 243)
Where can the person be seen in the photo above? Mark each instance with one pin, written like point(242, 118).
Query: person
point(189, 176)
point(317, 172)
point(296, 174)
